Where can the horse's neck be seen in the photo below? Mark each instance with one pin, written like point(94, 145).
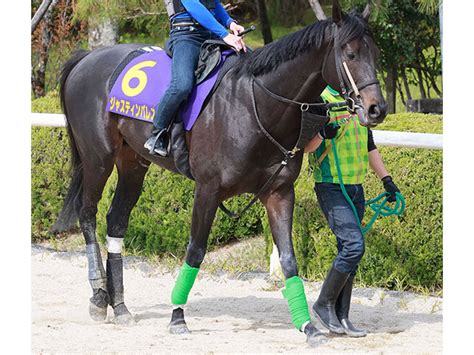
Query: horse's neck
point(299, 79)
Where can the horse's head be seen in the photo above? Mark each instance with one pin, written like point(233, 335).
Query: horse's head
point(354, 47)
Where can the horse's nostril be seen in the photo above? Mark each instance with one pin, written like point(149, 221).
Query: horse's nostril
point(374, 111)
point(377, 112)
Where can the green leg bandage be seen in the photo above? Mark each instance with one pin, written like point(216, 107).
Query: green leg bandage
point(183, 284)
point(294, 293)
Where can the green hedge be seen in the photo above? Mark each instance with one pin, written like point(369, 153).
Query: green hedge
point(400, 252)
point(161, 221)
point(159, 224)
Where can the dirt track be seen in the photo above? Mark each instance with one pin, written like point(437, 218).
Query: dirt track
point(224, 314)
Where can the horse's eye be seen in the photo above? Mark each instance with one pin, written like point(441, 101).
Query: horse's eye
point(351, 56)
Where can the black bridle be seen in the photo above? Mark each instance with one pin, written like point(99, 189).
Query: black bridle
point(345, 77)
point(345, 81)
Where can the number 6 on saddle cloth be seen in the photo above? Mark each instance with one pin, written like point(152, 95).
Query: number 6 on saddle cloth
point(141, 79)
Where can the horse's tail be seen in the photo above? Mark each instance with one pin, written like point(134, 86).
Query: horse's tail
point(69, 214)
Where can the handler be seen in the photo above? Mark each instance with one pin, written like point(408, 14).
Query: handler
point(192, 22)
point(355, 148)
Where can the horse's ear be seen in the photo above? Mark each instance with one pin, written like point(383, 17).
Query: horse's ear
point(367, 10)
point(336, 11)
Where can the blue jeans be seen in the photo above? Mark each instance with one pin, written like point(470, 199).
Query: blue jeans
point(343, 223)
point(185, 44)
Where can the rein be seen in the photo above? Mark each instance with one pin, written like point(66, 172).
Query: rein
point(308, 124)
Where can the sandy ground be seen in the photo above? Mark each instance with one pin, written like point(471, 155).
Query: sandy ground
point(226, 315)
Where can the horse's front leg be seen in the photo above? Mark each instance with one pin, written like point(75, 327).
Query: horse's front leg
point(204, 210)
point(279, 204)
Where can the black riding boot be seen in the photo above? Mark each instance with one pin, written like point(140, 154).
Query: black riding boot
point(158, 142)
point(343, 305)
point(325, 307)
point(115, 288)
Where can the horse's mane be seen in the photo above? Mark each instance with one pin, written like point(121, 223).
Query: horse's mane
point(268, 58)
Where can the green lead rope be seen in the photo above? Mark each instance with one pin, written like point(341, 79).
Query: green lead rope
point(378, 208)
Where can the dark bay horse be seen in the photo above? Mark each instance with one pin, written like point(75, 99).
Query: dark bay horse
point(228, 152)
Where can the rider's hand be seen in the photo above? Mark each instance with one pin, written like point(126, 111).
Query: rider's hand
point(236, 29)
point(235, 42)
point(390, 187)
point(329, 131)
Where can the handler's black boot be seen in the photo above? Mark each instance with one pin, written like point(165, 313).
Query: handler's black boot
point(158, 142)
point(325, 307)
point(343, 305)
point(116, 290)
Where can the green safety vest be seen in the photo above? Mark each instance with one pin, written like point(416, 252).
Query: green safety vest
point(351, 144)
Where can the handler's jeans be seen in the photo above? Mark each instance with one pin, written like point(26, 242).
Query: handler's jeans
point(343, 223)
point(184, 43)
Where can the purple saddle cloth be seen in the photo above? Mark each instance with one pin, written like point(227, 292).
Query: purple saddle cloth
point(143, 81)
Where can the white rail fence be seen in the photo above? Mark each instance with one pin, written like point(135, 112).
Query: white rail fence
point(387, 138)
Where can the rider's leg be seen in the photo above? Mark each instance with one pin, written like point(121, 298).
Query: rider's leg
point(351, 246)
point(185, 46)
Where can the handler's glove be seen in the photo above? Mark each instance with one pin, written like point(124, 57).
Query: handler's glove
point(391, 188)
point(329, 131)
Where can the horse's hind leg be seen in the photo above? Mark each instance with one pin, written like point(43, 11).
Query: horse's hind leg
point(95, 176)
point(279, 204)
point(131, 173)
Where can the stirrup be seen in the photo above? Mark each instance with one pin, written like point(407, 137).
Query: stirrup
point(151, 143)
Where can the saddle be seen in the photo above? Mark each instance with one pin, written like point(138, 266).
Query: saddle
point(209, 58)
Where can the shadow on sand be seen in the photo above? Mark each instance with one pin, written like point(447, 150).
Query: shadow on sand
point(272, 313)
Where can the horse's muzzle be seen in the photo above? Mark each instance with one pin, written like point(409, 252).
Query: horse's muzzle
point(373, 116)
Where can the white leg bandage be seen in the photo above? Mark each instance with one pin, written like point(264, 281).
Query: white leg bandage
point(114, 245)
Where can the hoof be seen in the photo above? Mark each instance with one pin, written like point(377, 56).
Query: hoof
point(123, 316)
point(98, 305)
point(314, 337)
point(97, 314)
point(178, 328)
